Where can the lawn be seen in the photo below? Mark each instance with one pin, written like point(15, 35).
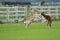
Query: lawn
point(36, 31)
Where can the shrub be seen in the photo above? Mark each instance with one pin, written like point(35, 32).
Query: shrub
point(1, 22)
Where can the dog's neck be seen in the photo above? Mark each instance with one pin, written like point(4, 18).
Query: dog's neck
point(43, 14)
point(31, 15)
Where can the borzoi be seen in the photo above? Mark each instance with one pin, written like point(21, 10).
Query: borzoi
point(48, 18)
point(29, 18)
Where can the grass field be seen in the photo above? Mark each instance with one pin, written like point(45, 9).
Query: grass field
point(36, 31)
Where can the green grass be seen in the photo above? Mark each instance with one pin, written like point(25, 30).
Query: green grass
point(36, 31)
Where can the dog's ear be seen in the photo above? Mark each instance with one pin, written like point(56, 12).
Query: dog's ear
point(35, 10)
point(46, 13)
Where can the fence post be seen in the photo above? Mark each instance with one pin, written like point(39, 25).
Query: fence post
point(25, 9)
point(16, 14)
point(7, 13)
point(56, 12)
point(49, 11)
point(41, 9)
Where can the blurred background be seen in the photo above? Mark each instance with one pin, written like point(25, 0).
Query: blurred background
point(17, 10)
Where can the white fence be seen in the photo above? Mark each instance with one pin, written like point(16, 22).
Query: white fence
point(20, 12)
point(13, 13)
point(51, 10)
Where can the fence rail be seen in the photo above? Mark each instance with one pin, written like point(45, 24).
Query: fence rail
point(12, 15)
point(20, 12)
point(51, 10)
